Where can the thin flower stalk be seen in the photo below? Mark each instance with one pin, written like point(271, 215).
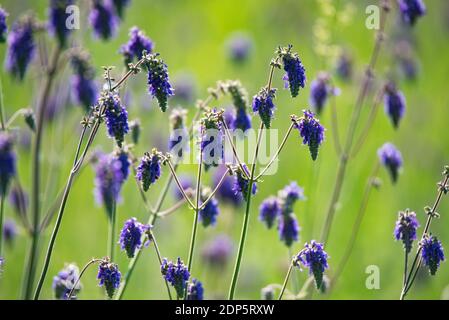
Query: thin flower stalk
point(287, 277)
point(152, 238)
point(234, 149)
point(178, 183)
point(112, 230)
point(91, 262)
point(335, 126)
point(222, 179)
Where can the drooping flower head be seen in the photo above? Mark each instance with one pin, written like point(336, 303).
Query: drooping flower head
point(394, 104)
point(263, 104)
point(405, 229)
point(158, 82)
point(103, 19)
point(239, 47)
point(226, 191)
point(295, 73)
point(289, 195)
point(84, 87)
point(432, 253)
point(179, 140)
point(288, 228)
point(320, 89)
point(7, 162)
point(138, 43)
point(176, 274)
point(315, 259)
point(9, 231)
point(3, 25)
point(116, 117)
point(21, 47)
point(195, 290)
point(241, 184)
point(109, 276)
point(208, 215)
point(120, 6)
point(149, 169)
point(211, 139)
point(311, 131)
point(391, 158)
point(411, 10)
point(131, 236)
point(217, 251)
point(269, 211)
point(65, 280)
point(57, 18)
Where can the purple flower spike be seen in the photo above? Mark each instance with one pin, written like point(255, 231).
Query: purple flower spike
point(269, 211)
point(57, 17)
point(405, 229)
point(391, 158)
point(137, 44)
point(394, 104)
point(295, 76)
point(176, 274)
point(131, 236)
point(288, 228)
point(195, 290)
point(109, 276)
point(311, 131)
point(432, 253)
point(103, 19)
point(7, 162)
point(315, 259)
point(149, 169)
point(411, 10)
point(3, 25)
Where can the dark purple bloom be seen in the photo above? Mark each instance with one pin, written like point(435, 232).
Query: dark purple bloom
point(405, 229)
point(411, 10)
point(109, 276)
point(217, 251)
point(131, 236)
point(19, 201)
point(315, 258)
point(288, 228)
point(9, 231)
point(149, 169)
point(176, 274)
point(3, 25)
point(208, 215)
point(289, 195)
point(319, 92)
point(21, 47)
point(211, 144)
point(57, 17)
point(64, 281)
point(84, 87)
point(138, 43)
point(226, 191)
point(263, 104)
point(116, 117)
point(311, 131)
point(344, 67)
point(239, 47)
point(195, 290)
point(158, 82)
point(120, 6)
point(394, 104)
point(241, 120)
point(103, 19)
point(295, 76)
point(7, 162)
point(270, 210)
point(123, 158)
point(391, 158)
point(241, 184)
point(432, 253)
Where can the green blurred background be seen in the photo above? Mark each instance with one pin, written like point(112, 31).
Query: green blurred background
point(191, 37)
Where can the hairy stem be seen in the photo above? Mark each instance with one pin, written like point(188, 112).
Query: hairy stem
point(287, 276)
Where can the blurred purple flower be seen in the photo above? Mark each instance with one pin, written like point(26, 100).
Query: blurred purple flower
point(3, 25)
point(137, 43)
point(103, 19)
point(391, 158)
point(239, 46)
point(217, 251)
point(57, 18)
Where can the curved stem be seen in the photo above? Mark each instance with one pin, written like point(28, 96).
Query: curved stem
point(91, 262)
point(172, 209)
point(234, 149)
point(203, 204)
point(14, 117)
point(335, 126)
point(159, 257)
point(178, 183)
point(287, 276)
point(111, 237)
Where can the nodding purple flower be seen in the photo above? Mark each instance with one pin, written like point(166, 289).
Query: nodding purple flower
point(158, 82)
point(311, 131)
point(103, 19)
point(319, 92)
point(84, 87)
point(315, 259)
point(131, 236)
point(109, 276)
point(179, 141)
point(405, 229)
point(138, 43)
point(64, 282)
point(57, 17)
point(116, 117)
point(123, 157)
point(241, 185)
point(134, 127)
point(176, 274)
point(211, 143)
point(208, 215)
point(226, 191)
point(21, 47)
point(108, 181)
point(7, 162)
point(19, 200)
point(288, 228)
point(411, 10)
point(149, 169)
point(239, 47)
point(186, 183)
point(217, 251)
point(289, 195)
point(295, 76)
point(120, 6)
point(394, 104)
point(269, 211)
point(432, 253)
point(3, 25)
point(263, 104)
point(195, 290)
point(344, 67)
point(9, 231)
point(391, 158)
point(241, 120)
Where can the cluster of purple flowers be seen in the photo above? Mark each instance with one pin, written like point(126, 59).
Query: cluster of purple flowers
point(270, 210)
point(432, 253)
point(3, 25)
point(131, 236)
point(295, 73)
point(7, 162)
point(320, 89)
point(195, 290)
point(158, 82)
point(394, 104)
point(137, 44)
point(103, 19)
point(263, 104)
point(241, 183)
point(57, 17)
point(208, 215)
point(311, 131)
point(240, 120)
point(176, 274)
point(315, 259)
point(109, 276)
point(149, 169)
point(405, 229)
point(391, 158)
point(84, 87)
point(211, 144)
point(411, 10)
point(21, 47)
point(64, 282)
point(116, 117)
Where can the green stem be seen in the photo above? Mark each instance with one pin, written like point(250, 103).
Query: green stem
point(91, 262)
point(2, 109)
point(2, 207)
point(159, 257)
point(112, 227)
point(287, 276)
